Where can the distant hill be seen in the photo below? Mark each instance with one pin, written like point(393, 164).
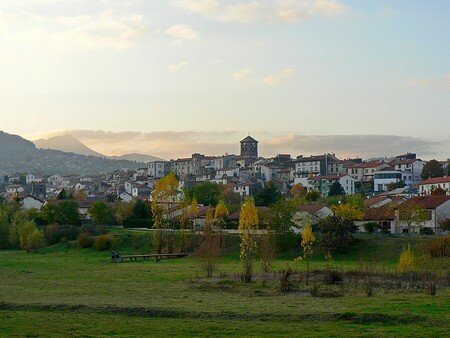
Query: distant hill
point(67, 143)
point(138, 157)
point(20, 155)
point(71, 144)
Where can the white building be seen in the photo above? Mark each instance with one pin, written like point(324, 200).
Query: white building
point(31, 202)
point(384, 177)
point(324, 183)
point(158, 169)
point(427, 186)
point(411, 169)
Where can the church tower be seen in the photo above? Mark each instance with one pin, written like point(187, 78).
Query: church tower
point(249, 147)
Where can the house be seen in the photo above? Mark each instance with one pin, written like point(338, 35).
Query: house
point(229, 172)
point(324, 183)
point(315, 165)
point(385, 177)
point(313, 212)
point(31, 202)
point(382, 214)
point(246, 189)
point(427, 186)
point(437, 208)
point(14, 189)
point(410, 167)
point(363, 172)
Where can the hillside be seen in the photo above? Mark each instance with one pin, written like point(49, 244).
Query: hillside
point(20, 155)
point(66, 143)
point(138, 157)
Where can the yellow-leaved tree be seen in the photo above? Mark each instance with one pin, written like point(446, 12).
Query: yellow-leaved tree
point(348, 212)
point(248, 222)
point(164, 197)
point(220, 215)
point(406, 260)
point(307, 243)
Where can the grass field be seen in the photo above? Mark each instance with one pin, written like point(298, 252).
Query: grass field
point(78, 292)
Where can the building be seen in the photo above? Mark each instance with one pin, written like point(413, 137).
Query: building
point(324, 183)
point(365, 172)
point(158, 169)
point(437, 208)
point(410, 167)
point(384, 177)
point(249, 147)
point(313, 212)
point(427, 186)
point(315, 165)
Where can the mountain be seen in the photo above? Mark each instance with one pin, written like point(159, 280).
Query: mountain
point(138, 157)
point(66, 143)
point(20, 155)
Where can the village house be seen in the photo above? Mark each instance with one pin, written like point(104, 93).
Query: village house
point(437, 208)
point(409, 166)
point(313, 213)
point(385, 177)
point(315, 165)
point(324, 183)
point(427, 186)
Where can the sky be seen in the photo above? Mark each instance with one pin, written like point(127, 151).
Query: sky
point(169, 78)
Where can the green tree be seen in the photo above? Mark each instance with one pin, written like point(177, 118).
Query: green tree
point(68, 213)
point(206, 193)
point(432, 169)
point(268, 195)
point(50, 213)
point(100, 212)
point(34, 241)
point(312, 196)
point(411, 214)
point(336, 189)
point(337, 234)
point(141, 210)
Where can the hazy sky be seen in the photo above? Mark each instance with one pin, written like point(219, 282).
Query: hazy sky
point(275, 68)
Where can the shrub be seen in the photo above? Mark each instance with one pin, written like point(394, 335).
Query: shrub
point(137, 223)
point(35, 241)
point(55, 233)
point(93, 229)
point(440, 247)
point(426, 231)
point(285, 279)
point(406, 260)
point(84, 240)
point(370, 226)
point(337, 234)
point(103, 242)
point(333, 277)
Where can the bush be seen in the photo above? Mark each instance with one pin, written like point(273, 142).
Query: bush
point(333, 277)
point(426, 231)
point(55, 233)
point(337, 234)
point(370, 226)
point(440, 247)
point(93, 229)
point(35, 241)
point(406, 260)
point(85, 240)
point(103, 242)
point(285, 279)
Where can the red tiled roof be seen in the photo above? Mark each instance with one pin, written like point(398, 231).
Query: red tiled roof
point(383, 213)
point(374, 200)
point(436, 180)
point(428, 202)
point(311, 208)
point(371, 164)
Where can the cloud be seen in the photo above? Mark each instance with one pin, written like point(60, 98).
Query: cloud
point(107, 30)
point(175, 144)
point(182, 31)
point(241, 74)
point(434, 82)
point(278, 77)
point(264, 10)
point(177, 66)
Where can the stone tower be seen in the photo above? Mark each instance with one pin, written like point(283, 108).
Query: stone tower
point(249, 147)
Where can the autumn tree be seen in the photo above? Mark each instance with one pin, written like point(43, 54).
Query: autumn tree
point(307, 243)
point(164, 197)
point(312, 196)
point(209, 250)
point(123, 211)
point(411, 214)
point(220, 214)
point(432, 169)
point(348, 212)
point(298, 191)
point(248, 222)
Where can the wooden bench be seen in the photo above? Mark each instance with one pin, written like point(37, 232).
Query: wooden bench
point(148, 257)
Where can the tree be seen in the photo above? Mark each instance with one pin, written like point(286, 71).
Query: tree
point(207, 193)
point(164, 197)
point(209, 250)
point(412, 213)
point(34, 241)
point(248, 222)
point(268, 195)
point(337, 234)
point(266, 251)
point(68, 213)
point(50, 213)
point(432, 169)
point(406, 260)
point(62, 195)
point(141, 210)
point(395, 185)
point(312, 196)
point(124, 211)
point(80, 195)
point(438, 191)
point(307, 243)
point(220, 214)
point(100, 212)
point(348, 212)
point(298, 191)
point(336, 189)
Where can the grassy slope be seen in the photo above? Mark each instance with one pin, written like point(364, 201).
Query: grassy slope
point(35, 283)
